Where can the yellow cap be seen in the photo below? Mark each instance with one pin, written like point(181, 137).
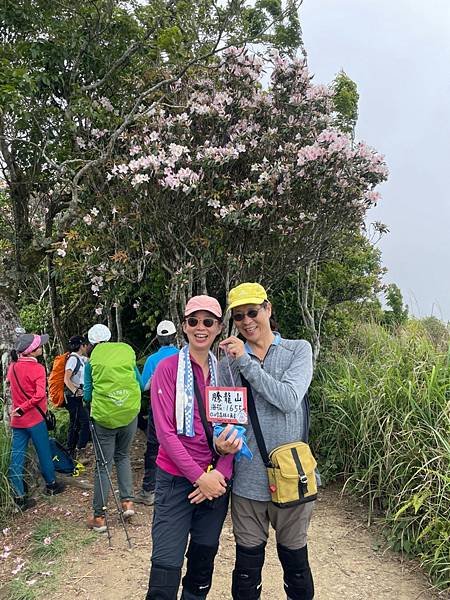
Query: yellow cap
point(246, 293)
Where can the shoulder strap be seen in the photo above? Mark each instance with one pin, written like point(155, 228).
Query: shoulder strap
point(78, 365)
point(307, 417)
point(257, 427)
point(255, 423)
point(202, 411)
point(206, 426)
point(25, 394)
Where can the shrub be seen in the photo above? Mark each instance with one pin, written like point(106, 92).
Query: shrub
point(382, 420)
point(6, 501)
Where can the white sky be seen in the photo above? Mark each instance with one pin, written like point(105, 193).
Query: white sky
point(398, 53)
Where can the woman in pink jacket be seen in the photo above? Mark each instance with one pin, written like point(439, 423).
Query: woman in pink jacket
point(27, 379)
point(191, 499)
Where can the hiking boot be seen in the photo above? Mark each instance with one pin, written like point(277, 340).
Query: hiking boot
point(82, 457)
point(55, 488)
point(127, 509)
point(24, 503)
point(146, 497)
point(97, 524)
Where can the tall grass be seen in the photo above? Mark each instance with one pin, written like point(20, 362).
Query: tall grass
point(382, 420)
point(6, 496)
point(6, 500)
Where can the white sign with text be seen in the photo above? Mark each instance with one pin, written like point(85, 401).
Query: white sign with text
point(226, 405)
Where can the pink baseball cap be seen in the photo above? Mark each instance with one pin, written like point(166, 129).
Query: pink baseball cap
point(28, 342)
point(203, 303)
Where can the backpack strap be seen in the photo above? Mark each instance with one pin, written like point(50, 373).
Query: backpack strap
point(255, 423)
point(206, 426)
point(78, 365)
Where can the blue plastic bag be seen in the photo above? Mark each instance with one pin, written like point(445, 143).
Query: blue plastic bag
point(245, 450)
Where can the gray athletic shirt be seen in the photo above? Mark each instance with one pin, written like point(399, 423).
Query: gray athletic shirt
point(279, 384)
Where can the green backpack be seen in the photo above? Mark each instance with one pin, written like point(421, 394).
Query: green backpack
point(116, 395)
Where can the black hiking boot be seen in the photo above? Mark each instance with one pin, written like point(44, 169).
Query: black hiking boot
point(24, 503)
point(55, 488)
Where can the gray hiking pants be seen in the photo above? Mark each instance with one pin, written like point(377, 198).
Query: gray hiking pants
point(115, 445)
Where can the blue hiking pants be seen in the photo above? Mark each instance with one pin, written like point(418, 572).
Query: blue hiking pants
point(20, 437)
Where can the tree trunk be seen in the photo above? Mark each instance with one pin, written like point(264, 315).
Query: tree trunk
point(54, 309)
point(119, 322)
point(305, 301)
point(110, 321)
point(9, 320)
point(203, 286)
point(20, 202)
point(173, 309)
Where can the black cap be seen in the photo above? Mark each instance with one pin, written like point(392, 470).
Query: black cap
point(76, 340)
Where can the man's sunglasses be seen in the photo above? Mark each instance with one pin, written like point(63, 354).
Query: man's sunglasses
point(252, 313)
point(193, 322)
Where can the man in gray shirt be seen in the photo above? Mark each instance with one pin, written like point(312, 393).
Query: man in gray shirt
point(279, 372)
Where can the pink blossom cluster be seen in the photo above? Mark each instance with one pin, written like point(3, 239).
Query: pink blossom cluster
point(220, 154)
point(103, 101)
point(184, 178)
point(228, 156)
point(239, 63)
point(97, 283)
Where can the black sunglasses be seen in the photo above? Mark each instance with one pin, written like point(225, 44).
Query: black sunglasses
point(193, 321)
point(252, 313)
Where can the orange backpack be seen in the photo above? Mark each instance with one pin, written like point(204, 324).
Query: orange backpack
point(56, 378)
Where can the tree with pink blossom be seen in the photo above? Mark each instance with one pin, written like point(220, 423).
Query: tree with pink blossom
point(77, 78)
point(227, 179)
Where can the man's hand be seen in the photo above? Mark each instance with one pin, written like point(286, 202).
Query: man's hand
point(211, 485)
point(228, 445)
point(233, 346)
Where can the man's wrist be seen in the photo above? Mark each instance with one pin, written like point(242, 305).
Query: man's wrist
point(243, 360)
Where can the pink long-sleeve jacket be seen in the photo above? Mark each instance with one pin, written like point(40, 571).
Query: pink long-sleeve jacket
point(179, 454)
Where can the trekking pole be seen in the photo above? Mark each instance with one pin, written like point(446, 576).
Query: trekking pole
point(103, 462)
point(95, 443)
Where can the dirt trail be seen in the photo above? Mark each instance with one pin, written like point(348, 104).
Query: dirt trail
point(343, 551)
point(344, 562)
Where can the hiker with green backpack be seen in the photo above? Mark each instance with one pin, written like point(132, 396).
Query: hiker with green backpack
point(112, 386)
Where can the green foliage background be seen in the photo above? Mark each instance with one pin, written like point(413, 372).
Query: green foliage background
point(381, 421)
point(380, 396)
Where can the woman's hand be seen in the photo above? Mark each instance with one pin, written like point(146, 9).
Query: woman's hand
point(233, 346)
point(211, 485)
point(196, 497)
point(228, 445)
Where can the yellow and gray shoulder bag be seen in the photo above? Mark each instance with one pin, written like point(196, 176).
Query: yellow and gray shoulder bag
point(290, 467)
